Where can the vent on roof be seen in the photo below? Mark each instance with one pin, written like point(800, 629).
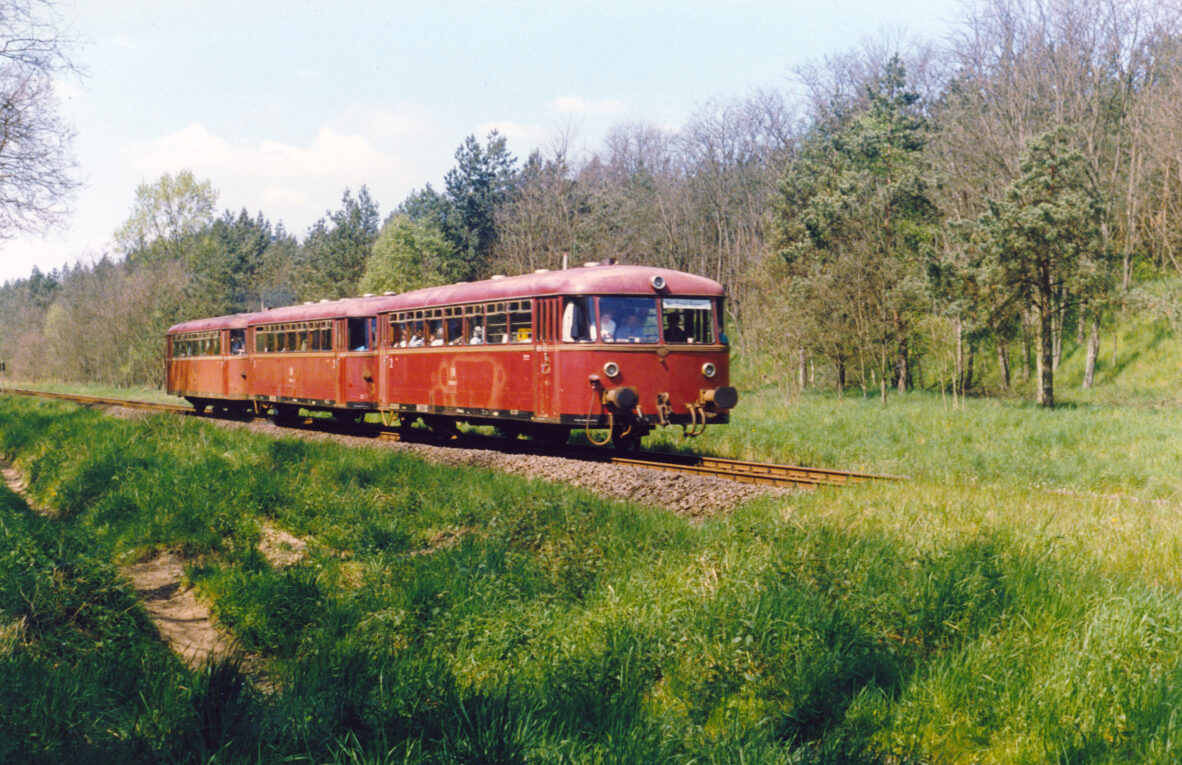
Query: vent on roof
point(590, 263)
point(368, 294)
point(389, 294)
point(541, 271)
point(497, 276)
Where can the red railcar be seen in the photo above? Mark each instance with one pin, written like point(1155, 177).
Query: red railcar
point(207, 362)
point(624, 348)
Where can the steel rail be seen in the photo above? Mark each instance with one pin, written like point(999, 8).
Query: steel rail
point(762, 473)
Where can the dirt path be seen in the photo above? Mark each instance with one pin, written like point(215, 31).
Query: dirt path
point(185, 623)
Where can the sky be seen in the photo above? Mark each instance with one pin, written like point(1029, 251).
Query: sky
point(284, 104)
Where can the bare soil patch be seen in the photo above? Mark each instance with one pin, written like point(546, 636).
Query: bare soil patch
point(184, 622)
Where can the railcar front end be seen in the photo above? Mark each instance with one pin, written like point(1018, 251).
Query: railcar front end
point(618, 348)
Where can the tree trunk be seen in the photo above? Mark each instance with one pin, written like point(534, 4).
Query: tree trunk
point(1093, 352)
point(1003, 362)
point(1046, 356)
point(802, 371)
point(958, 365)
point(1056, 337)
point(1027, 346)
point(967, 383)
point(900, 355)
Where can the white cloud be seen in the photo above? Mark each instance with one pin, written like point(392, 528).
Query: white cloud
point(579, 106)
point(297, 183)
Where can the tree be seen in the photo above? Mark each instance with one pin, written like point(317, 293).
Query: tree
point(36, 161)
point(225, 261)
point(165, 218)
point(1106, 67)
point(854, 211)
point(407, 255)
point(538, 225)
point(1042, 237)
point(336, 250)
point(481, 181)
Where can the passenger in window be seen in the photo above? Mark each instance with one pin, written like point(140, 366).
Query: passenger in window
point(607, 327)
point(633, 329)
point(416, 340)
point(436, 336)
point(477, 336)
point(674, 332)
point(455, 331)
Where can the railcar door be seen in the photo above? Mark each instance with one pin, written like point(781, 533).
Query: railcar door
point(235, 381)
point(357, 358)
point(547, 320)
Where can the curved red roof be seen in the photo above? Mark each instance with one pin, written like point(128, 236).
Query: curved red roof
point(584, 280)
point(233, 321)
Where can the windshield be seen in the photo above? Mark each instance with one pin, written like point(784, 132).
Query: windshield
point(628, 319)
point(687, 320)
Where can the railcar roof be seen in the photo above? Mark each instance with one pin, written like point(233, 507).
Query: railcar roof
point(233, 321)
point(329, 309)
point(583, 280)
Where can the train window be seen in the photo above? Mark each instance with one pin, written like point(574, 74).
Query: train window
point(520, 322)
point(395, 332)
point(238, 341)
point(578, 324)
point(497, 330)
point(628, 319)
point(455, 331)
point(687, 320)
point(197, 344)
point(361, 333)
point(474, 321)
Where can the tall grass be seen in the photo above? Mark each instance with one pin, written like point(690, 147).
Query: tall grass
point(465, 616)
point(1121, 450)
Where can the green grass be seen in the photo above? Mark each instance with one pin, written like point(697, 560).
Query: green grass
point(152, 395)
point(1016, 601)
point(1087, 447)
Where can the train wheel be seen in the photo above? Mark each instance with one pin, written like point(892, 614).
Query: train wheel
point(199, 404)
point(549, 436)
point(442, 428)
point(286, 415)
point(348, 417)
point(511, 431)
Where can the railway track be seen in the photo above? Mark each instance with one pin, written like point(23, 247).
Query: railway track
point(762, 473)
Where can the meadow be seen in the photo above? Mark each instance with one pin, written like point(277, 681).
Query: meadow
point(1018, 600)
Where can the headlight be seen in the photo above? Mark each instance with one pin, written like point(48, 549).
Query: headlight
point(708, 369)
